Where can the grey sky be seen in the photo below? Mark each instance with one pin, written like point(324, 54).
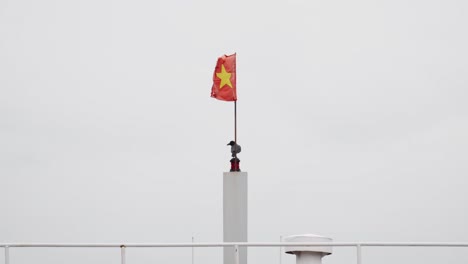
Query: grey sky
point(352, 120)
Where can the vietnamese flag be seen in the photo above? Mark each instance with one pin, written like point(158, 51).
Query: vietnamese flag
point(224, 79)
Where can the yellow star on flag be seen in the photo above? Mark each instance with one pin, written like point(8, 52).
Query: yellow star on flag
point(225, 77)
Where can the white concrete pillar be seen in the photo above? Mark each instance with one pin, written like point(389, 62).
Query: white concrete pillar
point(308, 254)
point(235, 215)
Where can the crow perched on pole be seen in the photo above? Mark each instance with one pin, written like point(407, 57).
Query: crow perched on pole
point(234, 148)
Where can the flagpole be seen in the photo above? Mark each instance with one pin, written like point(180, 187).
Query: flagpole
point(235, 121)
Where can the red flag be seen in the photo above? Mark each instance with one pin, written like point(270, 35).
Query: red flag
point(224, 79)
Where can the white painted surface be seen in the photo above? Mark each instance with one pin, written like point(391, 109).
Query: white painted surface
point(308, 238)
point(306, 257)
point(235, 214)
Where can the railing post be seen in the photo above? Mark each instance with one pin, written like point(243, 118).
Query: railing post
point(193, 250)
point(358, 253)
point(281, 251)
point(122, 254)
point(236, 254)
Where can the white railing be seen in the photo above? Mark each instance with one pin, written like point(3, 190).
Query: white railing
point(357, 245)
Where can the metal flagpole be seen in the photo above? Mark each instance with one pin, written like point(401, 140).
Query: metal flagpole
point(235, 121)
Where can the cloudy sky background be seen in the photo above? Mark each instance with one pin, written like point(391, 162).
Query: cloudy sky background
point(352, 118)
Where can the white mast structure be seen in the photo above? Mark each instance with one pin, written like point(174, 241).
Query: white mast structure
point(235, 215)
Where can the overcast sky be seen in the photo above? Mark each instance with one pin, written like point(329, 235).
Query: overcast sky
point(353, 121)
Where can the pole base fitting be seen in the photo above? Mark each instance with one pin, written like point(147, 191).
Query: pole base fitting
point(235, 164)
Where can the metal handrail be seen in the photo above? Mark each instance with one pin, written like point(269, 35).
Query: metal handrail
point(240, 244)
point(236, 245)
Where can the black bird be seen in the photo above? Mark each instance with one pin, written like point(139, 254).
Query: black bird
point(234, 148)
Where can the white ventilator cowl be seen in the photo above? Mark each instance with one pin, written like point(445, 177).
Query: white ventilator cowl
point(308, 254)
